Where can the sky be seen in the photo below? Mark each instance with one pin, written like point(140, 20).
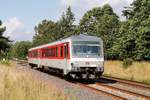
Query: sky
point(21, 16)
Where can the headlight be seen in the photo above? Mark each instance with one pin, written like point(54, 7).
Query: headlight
point(100, 68)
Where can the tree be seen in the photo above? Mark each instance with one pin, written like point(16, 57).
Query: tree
point(90, 20)
point(102, 22)
point(47, 31)
point(133, 39)
point(138, 15)
point(66, 23)
point(138, 9)
point(20, 49)
point(4, 42)
point(143, 41)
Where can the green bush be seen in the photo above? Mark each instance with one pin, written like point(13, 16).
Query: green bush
point(5, 61)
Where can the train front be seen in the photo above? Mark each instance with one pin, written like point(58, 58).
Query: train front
point(87, 59)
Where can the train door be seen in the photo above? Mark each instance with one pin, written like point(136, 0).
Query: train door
point(65, 56)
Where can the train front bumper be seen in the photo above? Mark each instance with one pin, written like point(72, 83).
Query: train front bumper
point(87, 69)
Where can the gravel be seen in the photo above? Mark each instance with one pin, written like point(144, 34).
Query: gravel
point(68, 88)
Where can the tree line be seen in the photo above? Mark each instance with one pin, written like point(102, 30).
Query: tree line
point(129, 39)
point(4, 42)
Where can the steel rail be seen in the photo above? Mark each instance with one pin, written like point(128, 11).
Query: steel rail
point(128, 82)
point(116, 97)
point(124, 91)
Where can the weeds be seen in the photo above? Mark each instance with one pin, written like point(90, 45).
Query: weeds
point(127, 62)
point(137, 71)
point(22, 86)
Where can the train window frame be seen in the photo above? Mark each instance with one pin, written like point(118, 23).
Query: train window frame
point(56, 51)
point(66, 50)
point(61, 51)
point(50, 52)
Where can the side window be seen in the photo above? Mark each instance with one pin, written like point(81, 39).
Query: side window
point(46, 52)
point(56, 52)
point(66, 50)
point(42, 52)
point(61, 51)
point(51, 52)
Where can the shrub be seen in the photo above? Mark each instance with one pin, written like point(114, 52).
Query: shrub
point(5, 61)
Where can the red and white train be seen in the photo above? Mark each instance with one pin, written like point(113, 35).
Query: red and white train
point(78, 56)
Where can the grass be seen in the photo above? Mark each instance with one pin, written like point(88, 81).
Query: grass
point(138, 71)
point(15, 85)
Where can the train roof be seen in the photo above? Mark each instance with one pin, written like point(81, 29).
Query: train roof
point(80, 37)
point(84, 37)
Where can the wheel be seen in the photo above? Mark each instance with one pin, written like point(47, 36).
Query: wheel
point(68, 77)
point(31, 66)
point(42, 68)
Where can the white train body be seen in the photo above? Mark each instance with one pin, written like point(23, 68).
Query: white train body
point(79, 55)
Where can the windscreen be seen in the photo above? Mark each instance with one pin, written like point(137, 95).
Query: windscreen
point(86, 49)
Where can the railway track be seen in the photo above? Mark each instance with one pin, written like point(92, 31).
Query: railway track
point(106, 89)
point(123, 92)
point(127, 82)
point(101, 92)
point(115, 92)
point(21, 62)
